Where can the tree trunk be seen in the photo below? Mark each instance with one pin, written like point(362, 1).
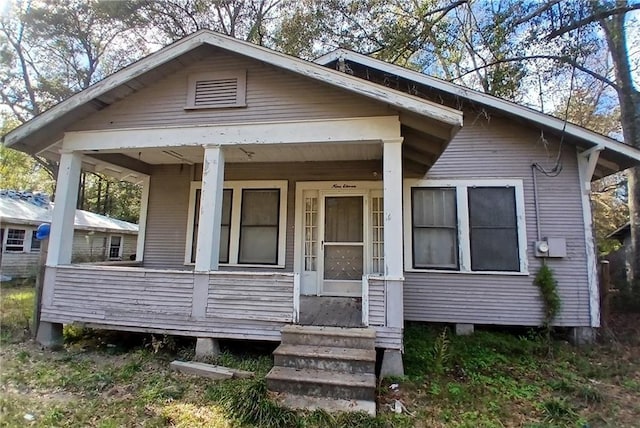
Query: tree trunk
point(629, 99)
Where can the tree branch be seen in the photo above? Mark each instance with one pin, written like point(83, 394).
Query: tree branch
point(564, 59)
point(602, 14)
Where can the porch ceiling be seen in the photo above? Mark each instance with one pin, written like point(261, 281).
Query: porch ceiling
point(261, 153)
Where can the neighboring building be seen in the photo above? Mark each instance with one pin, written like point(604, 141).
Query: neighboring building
point(95, 238)
point(271, 182)
point(620, 260)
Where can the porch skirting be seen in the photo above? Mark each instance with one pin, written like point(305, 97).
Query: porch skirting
point(232, 305)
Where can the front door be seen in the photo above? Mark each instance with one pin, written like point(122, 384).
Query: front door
point(342, 246)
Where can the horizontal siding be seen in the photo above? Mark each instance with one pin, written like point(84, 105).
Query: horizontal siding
point(20, 265)
point(389, 337)
point(245, 297)
point(271, 93)
point(498, 149)
point(377, 305)
point(160, 301)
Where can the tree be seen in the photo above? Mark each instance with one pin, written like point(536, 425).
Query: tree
point(50, 50)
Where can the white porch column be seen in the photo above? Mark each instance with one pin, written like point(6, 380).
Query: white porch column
point(208, 247)
point(142, 221)
point(393, 247)
point(392, 181)
point(64, 211)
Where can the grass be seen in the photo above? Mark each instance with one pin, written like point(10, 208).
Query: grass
point(490, 379)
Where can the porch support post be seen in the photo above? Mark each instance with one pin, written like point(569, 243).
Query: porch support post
point(142, 222)
point(64, 211)
point(208, 247)
point(393, 247)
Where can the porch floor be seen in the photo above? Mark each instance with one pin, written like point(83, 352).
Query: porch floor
point(331, 311)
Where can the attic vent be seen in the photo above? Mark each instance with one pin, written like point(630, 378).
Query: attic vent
point(216, 90)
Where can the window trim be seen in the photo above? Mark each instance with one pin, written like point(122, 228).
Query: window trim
point(26, 246)
point(120, 249)
point(236, 211)
point(462, 210)
point(241, 89)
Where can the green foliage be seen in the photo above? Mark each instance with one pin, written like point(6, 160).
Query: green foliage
point(19, 171)
point(548, 287)
point(16, 312)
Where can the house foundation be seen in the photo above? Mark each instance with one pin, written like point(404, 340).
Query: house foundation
point(49, 335)
point(464, 329)
point(392, 363)
point(206, 347)
point(580, 336)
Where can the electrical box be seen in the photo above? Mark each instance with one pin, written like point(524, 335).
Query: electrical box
point(551, 247)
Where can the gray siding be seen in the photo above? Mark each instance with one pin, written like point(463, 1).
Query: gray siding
point(251, 297)
point(161, 301)
point(272, 94)
point(498, 149)
point(377, 303)
point(20, 265)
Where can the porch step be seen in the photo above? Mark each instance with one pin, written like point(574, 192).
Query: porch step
point(358, 338)
point(322, 383)
point(332, 368)
point(350, 360)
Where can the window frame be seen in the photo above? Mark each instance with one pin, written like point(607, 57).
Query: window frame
point(34, 239)
point(120, 248)
point(463, 222)
point(25, 244)
point(236, 211)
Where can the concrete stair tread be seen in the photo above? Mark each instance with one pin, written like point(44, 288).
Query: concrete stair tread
point(323, 377)
point(328, 404)
point(368, 333)
point(326, 352)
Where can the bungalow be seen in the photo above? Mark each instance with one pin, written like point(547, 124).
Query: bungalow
point(280, 192)
point(96, 238)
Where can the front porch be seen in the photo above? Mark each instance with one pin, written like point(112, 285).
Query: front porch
point(217, 304)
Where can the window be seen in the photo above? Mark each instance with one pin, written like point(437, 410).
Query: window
point(259, 226)
point(115, 247)
point(435, 228)
point(216, 90)
point(252, 230)
point(35, 242)
point(225, 227)
point(474, 226)
point(15, 240)
point(493, 229)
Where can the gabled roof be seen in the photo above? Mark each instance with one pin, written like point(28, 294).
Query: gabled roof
point(45, 129)
point(18, 210)
point(622, 154)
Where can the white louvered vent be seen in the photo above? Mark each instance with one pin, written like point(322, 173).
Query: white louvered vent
point(216, 90)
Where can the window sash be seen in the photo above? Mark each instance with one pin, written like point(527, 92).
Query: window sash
point(259, 231)
point(15, 240)
point(35, 242)
point(493, 229)
point(225, 225)
point(434, 228)
point(115, 245)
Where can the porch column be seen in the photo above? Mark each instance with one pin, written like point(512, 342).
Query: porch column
point(393, 249)
point(208, 247)
point(64, 211)
point(142, 222)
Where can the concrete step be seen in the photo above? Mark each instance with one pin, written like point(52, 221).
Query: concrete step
point(322, 383)
point(339, 337)
point(306, 402)
point(349, 360)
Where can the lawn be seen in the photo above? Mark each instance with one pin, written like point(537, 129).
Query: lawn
point(491, 379)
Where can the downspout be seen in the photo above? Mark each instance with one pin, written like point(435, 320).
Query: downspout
point(535, 203)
